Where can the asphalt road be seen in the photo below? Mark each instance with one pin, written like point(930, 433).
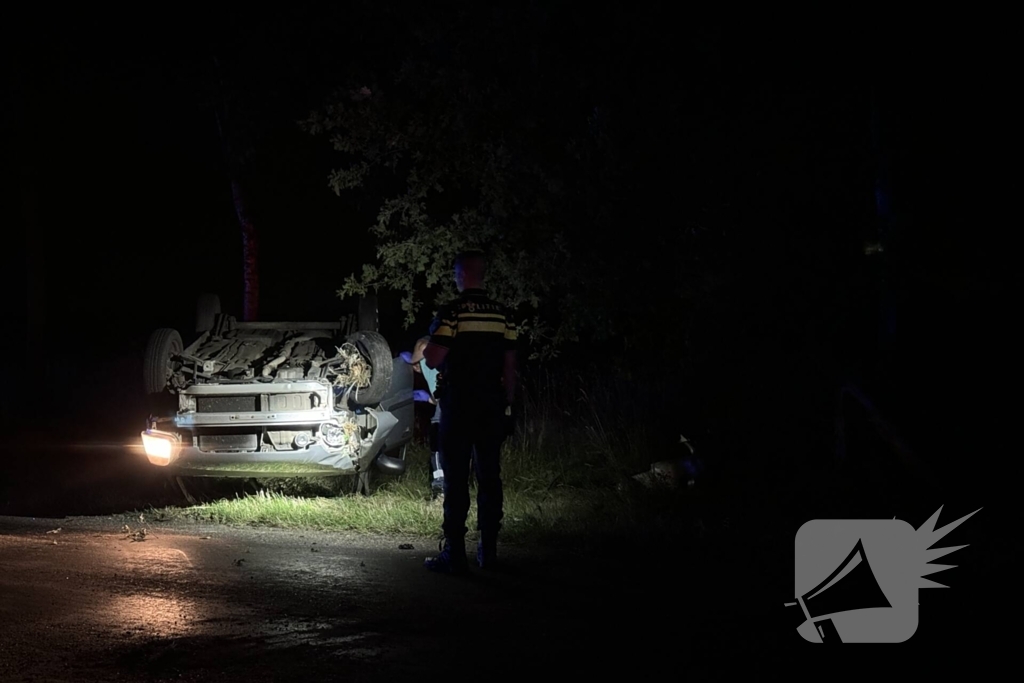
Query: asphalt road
point(82, 600)
point(89, 602)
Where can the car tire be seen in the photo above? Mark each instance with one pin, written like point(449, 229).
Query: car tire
point(163, 344)
point(376, 350)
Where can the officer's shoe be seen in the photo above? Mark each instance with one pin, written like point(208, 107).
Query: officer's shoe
point(487, 551)
point(451, 559)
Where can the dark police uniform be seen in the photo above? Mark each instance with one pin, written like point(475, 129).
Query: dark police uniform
point(477, 331)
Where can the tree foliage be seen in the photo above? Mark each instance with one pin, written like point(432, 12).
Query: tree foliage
point(608, 161)
point(490, 134)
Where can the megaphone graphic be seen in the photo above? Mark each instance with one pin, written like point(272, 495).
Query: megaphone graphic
point(852, 586)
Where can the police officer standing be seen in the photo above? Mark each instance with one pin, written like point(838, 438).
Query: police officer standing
point(473, 343)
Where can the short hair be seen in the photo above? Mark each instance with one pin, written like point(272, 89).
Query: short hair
point(472, 260)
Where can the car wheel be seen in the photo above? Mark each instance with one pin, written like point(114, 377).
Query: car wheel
point(156, 366)
point(376, 350)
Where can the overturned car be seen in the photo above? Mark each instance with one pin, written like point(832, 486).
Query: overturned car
point(271, 399)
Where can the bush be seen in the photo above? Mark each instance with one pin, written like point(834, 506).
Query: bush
point(585, 428)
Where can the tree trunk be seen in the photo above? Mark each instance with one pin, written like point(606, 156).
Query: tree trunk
point(250, 256)
point(250, 243)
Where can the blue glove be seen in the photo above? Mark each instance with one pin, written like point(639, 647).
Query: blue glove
point(421, 395)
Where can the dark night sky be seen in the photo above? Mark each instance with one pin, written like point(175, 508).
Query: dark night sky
point(131, 185)
point(108, 131)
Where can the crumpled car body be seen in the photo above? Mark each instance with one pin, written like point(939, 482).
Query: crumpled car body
point(278, 399)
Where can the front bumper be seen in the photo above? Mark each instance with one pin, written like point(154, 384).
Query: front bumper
point(189, 440)
point(180, 455)
point(176, 451)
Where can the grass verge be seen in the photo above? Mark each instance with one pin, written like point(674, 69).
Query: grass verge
point(538, 511)
point(566, 475)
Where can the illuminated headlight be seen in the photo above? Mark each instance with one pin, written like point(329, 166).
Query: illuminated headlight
point(161, 448)
point(332, 434)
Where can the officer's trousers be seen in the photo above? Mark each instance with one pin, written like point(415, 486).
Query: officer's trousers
point(472, 431)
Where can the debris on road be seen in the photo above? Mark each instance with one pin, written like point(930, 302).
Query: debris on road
point(54, 531)
point(238, 563)
point(406, 546)
point(135, 536)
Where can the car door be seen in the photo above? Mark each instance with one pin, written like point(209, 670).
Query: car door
point(399, 402)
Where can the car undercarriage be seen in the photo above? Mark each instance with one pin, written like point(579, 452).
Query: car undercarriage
point(277, 399)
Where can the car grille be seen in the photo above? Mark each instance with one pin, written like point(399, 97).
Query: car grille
point(228, 442)
point(226, 404)
point(251, 404)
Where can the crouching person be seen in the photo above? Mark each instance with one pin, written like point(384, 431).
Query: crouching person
point(435, 474)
